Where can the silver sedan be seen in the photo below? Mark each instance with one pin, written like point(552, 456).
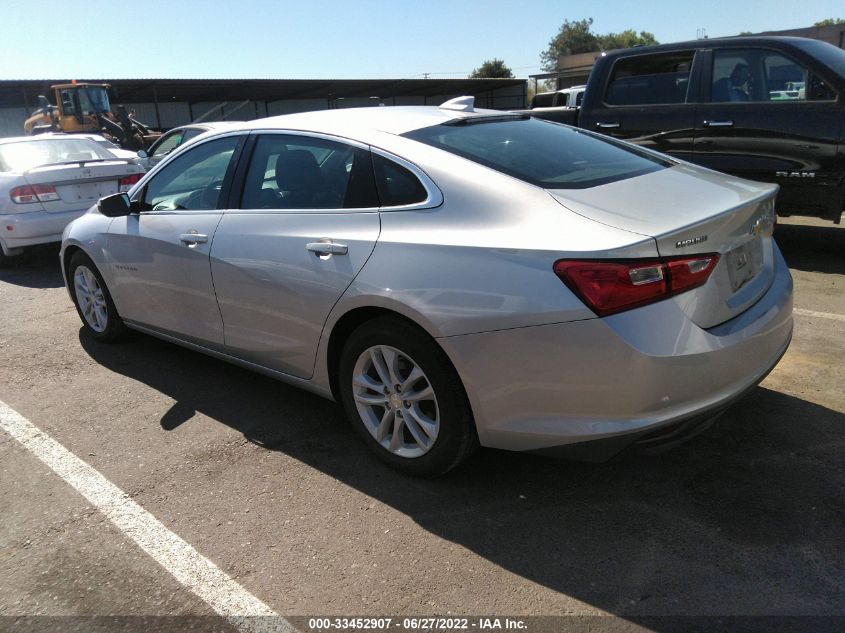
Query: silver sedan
point(453, 277)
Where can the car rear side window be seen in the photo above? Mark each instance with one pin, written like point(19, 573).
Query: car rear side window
point(539, 152)
point(650, 79)
point(397, 186)
point(301, 172)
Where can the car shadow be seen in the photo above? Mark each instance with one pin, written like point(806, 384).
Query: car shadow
point(812, 248)
point(750, 513)
point(37, 267)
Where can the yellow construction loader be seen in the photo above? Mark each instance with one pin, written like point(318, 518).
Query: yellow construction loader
point(85, 107)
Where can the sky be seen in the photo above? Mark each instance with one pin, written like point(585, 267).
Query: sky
point(352, 39)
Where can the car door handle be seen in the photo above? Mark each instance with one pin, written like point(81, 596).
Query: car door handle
point(193, 238)
point(327, 248)
point(718, 124)
point(608, 125)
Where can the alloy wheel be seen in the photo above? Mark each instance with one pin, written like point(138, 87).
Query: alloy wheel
point(91, 300)
point(396, 401)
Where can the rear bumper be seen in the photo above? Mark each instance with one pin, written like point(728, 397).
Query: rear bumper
point(618, 379)
point(34, 227)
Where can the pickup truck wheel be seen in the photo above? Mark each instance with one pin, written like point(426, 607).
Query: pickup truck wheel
point(93, 301)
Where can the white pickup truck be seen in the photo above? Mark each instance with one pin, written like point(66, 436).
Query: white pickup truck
point(565, 98)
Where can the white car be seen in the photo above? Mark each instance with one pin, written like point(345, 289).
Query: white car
point(102, 141)
point(113, 148)
point(47, 181)
point(174, 139)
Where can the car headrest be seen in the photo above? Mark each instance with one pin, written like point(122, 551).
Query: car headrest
point(297, 170)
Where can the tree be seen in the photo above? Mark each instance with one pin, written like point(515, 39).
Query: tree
point(830, 22)
point(572, 38)
point(626, 39)
point(577, 37)
point(492, 69)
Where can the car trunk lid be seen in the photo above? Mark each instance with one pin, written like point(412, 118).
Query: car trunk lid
point(80, 183)
point(690, 211)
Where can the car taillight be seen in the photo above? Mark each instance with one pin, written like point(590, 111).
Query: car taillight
point(28, 194)
point(125, 183)
point(610, 286)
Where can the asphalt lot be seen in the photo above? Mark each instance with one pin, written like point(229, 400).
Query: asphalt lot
point(274, 487)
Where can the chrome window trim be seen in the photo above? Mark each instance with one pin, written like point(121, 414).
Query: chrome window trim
point(434, 197)
point(181, 149)
point(328, 210)
point(321, 135)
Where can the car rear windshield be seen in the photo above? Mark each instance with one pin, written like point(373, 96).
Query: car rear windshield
point(23, 155)
point(545, 154)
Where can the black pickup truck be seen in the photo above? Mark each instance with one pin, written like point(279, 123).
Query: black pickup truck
point(764, 108)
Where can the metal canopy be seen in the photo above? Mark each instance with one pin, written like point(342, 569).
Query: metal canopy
point(23, 93)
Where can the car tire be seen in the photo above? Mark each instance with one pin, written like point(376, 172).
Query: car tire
point(93, 301)
point(421, 423)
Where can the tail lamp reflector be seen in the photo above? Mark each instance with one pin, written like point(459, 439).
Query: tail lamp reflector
point(611, 286)
point(27, 194)
point(125, 183)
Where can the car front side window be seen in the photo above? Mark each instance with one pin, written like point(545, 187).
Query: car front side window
point(757, 75)
point(192, 181)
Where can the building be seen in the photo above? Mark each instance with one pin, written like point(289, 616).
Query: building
point(572, 70)
point(834, 34)
point(167, 103)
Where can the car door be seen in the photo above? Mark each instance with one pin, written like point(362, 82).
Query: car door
point(769, 117)
point(159, 256)
point(307, 222)
point(648, 100)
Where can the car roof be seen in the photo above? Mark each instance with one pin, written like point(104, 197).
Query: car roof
point(207, 125)
point(89, 135)
point(716, 42)
point(389, 119)
point(49, 136)
point(826, 55)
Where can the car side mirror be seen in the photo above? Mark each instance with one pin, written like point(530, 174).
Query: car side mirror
point(142, 153)
point(115, 206)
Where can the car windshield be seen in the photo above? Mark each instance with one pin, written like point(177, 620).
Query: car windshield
point(23, 155)
point(544, 154)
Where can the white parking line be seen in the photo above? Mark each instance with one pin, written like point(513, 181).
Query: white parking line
point(198, 574)
point(821, 315)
